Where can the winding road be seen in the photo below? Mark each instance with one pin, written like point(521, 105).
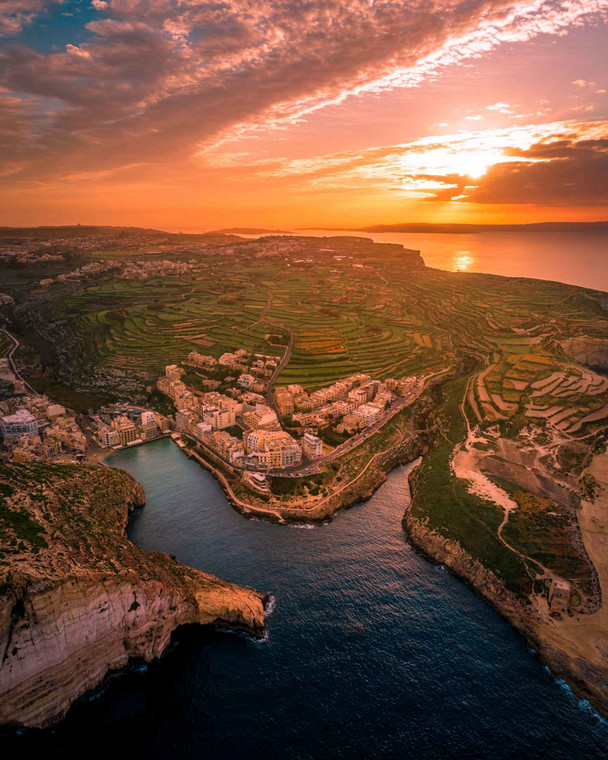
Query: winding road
point(281, 366)
point(11, 362)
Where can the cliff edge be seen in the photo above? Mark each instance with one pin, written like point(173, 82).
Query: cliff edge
point(78, 599)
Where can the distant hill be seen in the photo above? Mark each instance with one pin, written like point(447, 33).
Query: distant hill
point(250, 231)
point(82, 230)
point(474, 228)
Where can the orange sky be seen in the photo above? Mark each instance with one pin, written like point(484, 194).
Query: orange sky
point(184, 114)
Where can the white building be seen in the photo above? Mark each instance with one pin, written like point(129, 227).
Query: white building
point(149, 424)
point(312, 446)
point(368, 413)
point(20, 423)
point(219, 418)
point(280, 448)
point(107, 436)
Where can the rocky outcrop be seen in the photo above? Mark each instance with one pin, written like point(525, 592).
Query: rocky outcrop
point(574, 648)
point(451, 555)
point(78, 600)
point(592, 352)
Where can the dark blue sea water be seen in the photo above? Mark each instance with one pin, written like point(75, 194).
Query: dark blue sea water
point(372, 651)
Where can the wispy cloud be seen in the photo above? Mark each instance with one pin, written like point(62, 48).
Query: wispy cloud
point(164, 79)
point(15, 14)
point(547, 163)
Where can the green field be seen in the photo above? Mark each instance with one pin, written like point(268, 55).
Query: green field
point(372, 312)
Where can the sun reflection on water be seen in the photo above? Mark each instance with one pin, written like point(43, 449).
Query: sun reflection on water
point(463, 261)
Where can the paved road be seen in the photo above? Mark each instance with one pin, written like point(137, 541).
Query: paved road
point(281, 366)
point(11, 362)
point(357, 440)
point(265, 310)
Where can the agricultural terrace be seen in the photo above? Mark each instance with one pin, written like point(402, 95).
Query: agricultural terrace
point(514, 420)
point(347, 315)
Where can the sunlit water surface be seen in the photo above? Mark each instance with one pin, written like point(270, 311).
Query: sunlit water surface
point(578, 258)
point(372, 651)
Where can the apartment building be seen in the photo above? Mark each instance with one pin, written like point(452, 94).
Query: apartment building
point(13, 426)
point(149, 425)
point(284, 401)
point(312, 446)
point(369, 413)
point(201, 360)
point(282, 450)
point(127, 432)
point(219, 418)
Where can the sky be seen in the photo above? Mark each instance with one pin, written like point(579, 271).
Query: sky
point(203, 114)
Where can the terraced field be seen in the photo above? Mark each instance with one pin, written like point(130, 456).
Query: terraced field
point(513, 414)
point(346, 314)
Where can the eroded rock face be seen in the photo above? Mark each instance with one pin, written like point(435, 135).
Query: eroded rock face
point(592, 352)
point(78, 600)
point(575, 647)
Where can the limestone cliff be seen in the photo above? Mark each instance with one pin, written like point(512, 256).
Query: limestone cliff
point(590, 351)
point(575, 647)
point(78, 599)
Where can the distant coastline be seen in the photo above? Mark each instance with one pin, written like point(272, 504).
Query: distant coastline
point(451, 229)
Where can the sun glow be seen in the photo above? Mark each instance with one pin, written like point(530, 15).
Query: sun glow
point(445, 161)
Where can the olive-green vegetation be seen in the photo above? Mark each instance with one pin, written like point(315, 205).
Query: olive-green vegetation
point(498, 342)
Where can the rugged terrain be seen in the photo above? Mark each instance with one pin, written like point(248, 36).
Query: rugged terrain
point(511, 425)
point(78, 599)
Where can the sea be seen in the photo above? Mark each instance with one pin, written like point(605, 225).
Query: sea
point(577, 258)
point(371, 650)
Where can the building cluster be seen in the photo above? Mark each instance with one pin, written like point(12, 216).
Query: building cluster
point(252, 371)
point(123, 425)
point(240, 428)
point(34, 429)
point(21, 254)
point(124, 270)
point(351, 404)
point(9, 381)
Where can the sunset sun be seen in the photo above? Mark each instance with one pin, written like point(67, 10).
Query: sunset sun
point(304, 379)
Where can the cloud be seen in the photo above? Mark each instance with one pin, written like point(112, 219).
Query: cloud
point(560, 163)
point(569, 173)
point(161, 80)
point(15, 14)
point(99, 5)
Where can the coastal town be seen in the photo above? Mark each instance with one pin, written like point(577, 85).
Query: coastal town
point(240, 419)
point(287, 429)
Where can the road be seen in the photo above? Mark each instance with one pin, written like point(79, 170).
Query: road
point(281, 366)
point(265, 310)
point(356, 440)
point(11, 361)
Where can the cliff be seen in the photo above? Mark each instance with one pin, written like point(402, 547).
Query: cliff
point(591, 351)
point(574, 647)
point(78, 599)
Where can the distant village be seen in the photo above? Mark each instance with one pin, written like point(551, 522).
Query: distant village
point(123, 270)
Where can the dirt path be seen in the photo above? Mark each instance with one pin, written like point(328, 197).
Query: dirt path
point(586, 636)
point(465, 465)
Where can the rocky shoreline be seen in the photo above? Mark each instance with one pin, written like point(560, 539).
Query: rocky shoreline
point(74, 608)
point(587, 680)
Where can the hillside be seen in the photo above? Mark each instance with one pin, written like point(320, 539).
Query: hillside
point(78, 599)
